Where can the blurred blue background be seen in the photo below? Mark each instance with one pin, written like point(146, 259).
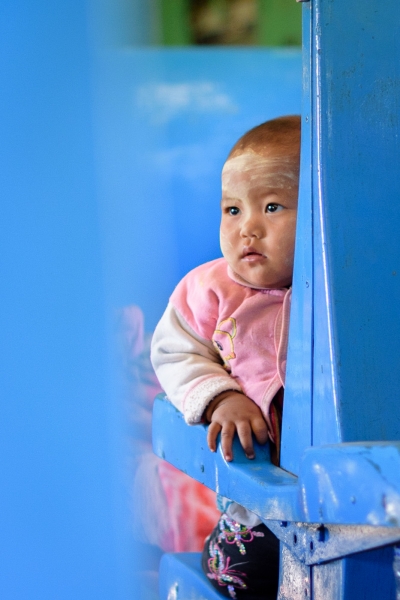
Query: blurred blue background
point(110, 193)
point(168, 119)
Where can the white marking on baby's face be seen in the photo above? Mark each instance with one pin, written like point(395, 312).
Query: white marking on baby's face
point(260, 171)
point(259, 210)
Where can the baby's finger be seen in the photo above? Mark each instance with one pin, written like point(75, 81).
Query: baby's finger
point(244, 433)
point(227, 433)
point(212, 434)
point(260, 429)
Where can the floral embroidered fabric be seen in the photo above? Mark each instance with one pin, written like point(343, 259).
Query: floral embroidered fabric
point(235, 533)
point(242, 562)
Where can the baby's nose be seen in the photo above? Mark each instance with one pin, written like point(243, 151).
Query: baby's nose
point(252, 227)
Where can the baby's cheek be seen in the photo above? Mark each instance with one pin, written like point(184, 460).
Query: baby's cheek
point(289, 234)
point(225, 241)
point(286, 248)
point(289, 259)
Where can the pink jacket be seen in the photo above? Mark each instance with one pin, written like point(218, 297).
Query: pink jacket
point(217, 335)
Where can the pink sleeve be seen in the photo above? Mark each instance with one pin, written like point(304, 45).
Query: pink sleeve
point(196, 300)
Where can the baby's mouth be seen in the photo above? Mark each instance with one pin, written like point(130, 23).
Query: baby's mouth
point(249, 253)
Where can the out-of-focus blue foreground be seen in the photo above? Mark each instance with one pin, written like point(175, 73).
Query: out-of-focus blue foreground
point(64, 519)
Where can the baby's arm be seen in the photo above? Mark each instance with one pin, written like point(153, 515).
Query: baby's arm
point(190, 371)
point(188, 366)
point(232, 412)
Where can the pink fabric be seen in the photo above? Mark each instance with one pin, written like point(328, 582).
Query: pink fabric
point(175, 512)
point(248, 327)
point(192, 509)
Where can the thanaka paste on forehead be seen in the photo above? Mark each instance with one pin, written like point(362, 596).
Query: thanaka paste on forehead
point(271, 171)
point(251, 160)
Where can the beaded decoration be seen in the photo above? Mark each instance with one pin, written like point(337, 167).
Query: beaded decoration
point(236, 533)
point(220, 571)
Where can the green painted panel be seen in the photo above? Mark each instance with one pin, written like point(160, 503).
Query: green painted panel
point(279, 23)
point(175, 23)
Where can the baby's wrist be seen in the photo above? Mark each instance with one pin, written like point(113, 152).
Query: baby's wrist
point(215, 402)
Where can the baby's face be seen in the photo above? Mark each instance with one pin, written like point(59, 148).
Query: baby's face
point(258, 224)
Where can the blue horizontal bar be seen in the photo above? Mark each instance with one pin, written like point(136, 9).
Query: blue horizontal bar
point(343, 484)
point(257, 484)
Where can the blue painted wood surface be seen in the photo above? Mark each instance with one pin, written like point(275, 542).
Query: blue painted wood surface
point(349, 484)
point(297, 410)
point(257, 484)
point(352, 483)
point(182, 578)
point(357, 58)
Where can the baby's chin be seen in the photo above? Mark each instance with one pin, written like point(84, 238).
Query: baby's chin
point(258, 282)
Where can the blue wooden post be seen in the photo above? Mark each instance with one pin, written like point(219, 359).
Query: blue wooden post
point(355, 58)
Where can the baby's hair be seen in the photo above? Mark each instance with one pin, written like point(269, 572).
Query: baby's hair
point(283, 133)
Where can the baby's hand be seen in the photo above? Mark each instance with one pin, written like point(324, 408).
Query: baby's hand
point(230, 412)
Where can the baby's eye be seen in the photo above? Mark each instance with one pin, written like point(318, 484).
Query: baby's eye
point(233, 210)
point(273, 207)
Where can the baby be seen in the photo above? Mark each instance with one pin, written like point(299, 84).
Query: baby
point(219, 350)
